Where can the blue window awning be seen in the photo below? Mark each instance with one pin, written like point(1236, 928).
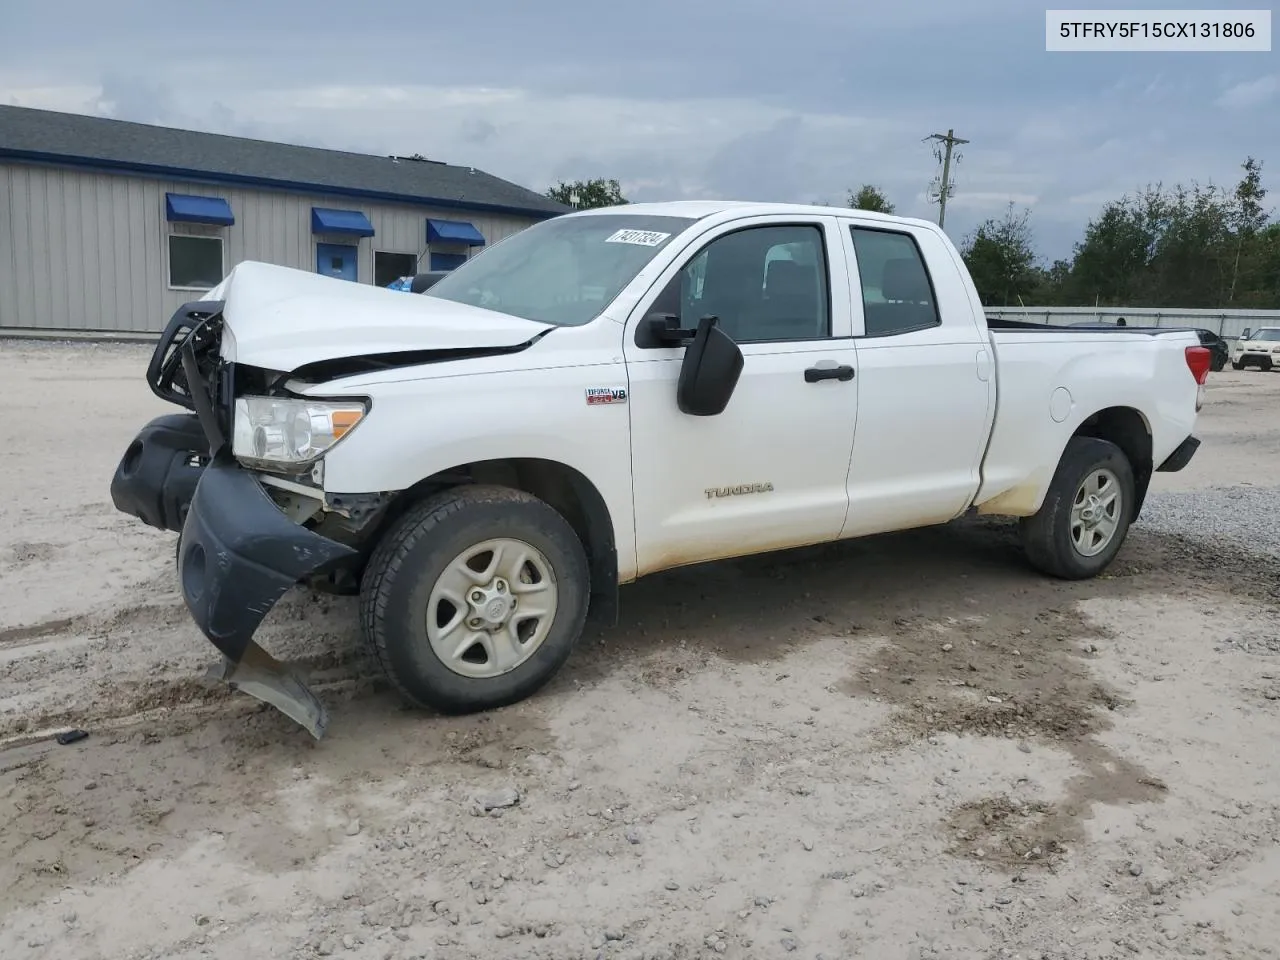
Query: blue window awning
point(188, 209)
point(454, 231)
point(351, 222)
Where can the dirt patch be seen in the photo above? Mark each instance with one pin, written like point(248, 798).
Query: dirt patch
point(1003, 831)
point(23, 553)
point(984, 675)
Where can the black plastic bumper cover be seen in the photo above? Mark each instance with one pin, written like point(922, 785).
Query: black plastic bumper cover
point(1180, 457)
point(239, 554)
point(156, 479)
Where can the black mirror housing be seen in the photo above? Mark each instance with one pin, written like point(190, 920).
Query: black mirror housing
point(710, 371)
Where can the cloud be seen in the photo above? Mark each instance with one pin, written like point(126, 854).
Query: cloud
point(1250, 94)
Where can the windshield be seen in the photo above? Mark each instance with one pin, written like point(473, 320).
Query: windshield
point(563, 271)
point(1272, 333)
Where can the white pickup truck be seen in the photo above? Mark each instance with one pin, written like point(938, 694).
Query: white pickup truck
point(613, 393)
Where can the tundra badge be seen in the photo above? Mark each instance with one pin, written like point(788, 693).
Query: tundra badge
point(740, 489)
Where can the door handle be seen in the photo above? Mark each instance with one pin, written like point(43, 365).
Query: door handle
point(814, 374)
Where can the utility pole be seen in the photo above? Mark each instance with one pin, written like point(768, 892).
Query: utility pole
point(950, 141)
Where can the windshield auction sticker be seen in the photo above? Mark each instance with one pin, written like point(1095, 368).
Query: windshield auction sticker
point(644, 238)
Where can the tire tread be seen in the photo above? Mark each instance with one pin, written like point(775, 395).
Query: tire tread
point(1039, 532)
point(388, 557)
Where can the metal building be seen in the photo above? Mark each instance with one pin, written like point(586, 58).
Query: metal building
point(108, 226)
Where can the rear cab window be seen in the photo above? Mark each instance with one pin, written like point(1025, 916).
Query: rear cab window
point(897, 291)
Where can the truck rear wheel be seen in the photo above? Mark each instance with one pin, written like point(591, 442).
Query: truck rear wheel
point(475, 598)
point(1086, 514)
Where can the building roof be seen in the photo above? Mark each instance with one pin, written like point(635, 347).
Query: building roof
point(45, 136)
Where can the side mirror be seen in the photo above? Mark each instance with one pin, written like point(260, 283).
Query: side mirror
point(712, 361)
point(710, 371)
point(1245, 335)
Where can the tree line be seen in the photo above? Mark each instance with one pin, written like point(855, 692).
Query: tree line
point(1201, 246)
point(1197, 246)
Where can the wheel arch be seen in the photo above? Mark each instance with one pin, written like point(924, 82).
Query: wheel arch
point(1129, 430)
point(566, 490)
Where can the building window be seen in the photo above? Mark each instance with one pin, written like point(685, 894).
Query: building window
point(195, 263)
point(390, 267)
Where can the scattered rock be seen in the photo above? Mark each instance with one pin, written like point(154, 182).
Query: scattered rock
point(349, 942)
point(325, 948)
point(790, 944)
point(1135, 869)
point(503, 932)
point(500, 799)
point(672, 885)
point(1004, 898)
point(353, 828)
point(1024, 747)
point(633, 835)
point(948, 647)
point(807, 844)
point(994, 700)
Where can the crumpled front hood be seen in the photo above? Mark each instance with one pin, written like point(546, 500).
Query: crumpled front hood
point(280, 318)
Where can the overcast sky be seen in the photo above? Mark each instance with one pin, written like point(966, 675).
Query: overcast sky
point(800, 100)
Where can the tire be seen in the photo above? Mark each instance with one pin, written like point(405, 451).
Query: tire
point(1237, 366)
point(1217, 364)
point(1266, 365)
point(1047, 536)
point(399, 597)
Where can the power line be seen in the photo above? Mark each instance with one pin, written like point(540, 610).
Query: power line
point(946, 186)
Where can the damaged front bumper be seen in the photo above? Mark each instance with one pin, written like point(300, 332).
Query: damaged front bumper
point(238, 553)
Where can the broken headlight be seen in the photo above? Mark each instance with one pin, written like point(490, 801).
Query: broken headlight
point(290, 432)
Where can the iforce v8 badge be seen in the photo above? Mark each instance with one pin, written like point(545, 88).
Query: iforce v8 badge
point(599, 395)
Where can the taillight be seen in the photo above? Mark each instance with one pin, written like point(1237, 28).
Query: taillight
point(1199, 360)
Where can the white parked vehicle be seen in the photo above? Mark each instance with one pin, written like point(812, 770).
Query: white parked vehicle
point(610, 394)
point(1259, 348)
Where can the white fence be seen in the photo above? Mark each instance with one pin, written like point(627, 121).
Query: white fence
point(1228, 324)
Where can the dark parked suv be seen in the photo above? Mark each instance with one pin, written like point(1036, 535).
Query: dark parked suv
point(1218, 348)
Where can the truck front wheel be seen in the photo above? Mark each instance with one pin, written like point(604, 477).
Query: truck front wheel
point(475, 598)
point(1086, 513)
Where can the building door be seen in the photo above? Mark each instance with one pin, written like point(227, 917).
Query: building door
point(390, 267)
point(337, 260)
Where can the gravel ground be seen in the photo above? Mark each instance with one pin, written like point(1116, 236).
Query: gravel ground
point(1244, 515)
point(904, 747)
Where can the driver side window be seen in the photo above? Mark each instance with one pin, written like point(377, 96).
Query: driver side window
point(764, 283)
